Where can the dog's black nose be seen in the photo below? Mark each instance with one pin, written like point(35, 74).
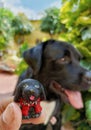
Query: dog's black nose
point(87, 77)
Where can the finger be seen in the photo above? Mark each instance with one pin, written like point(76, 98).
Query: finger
point(11, 118)
point(4, 102)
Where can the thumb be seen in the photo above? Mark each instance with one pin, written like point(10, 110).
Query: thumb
point(11, 117)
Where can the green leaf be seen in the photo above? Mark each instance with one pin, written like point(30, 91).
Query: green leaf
point(21, 67)
point(86, 34)
point(83, 20)
point(86, 64)
point(88, 109)
point(23, 47)
point(83, 126)
point(69, 114)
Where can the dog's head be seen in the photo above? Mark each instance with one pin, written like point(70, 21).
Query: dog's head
point(29, 90)
point(57, 65)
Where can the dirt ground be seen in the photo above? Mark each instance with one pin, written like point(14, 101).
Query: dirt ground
point(7, 85)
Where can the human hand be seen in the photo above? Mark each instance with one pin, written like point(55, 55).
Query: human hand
point(11, 116)
point(9, 119)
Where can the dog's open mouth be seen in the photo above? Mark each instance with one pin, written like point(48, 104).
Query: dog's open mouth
point(72, 97)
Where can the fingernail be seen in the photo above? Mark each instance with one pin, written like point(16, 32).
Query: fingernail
point(8, 114)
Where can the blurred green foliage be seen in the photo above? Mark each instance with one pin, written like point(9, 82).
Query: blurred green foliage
point(22, 48)
point(11, 25)
point(22, 65)
point(6, 30)
point(69, 113)
point(50, 23)
point(22, 25)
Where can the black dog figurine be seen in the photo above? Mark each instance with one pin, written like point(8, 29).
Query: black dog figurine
point(56, 65)
point(28, 95)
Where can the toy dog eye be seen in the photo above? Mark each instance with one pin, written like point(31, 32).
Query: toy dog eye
point(25, 85)
point(36, 86)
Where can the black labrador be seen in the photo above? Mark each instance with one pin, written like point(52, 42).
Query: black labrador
point(56, 65)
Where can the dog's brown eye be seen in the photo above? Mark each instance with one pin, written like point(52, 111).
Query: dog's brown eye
point(64, 60)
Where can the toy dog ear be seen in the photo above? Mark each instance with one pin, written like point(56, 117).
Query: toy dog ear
point(33, 57)
point(17, 93)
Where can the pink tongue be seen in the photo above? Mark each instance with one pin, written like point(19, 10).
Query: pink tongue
point(32, 98)
point(75, 99)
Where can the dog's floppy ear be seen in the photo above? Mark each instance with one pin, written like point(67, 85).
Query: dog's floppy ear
point(33, 57)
